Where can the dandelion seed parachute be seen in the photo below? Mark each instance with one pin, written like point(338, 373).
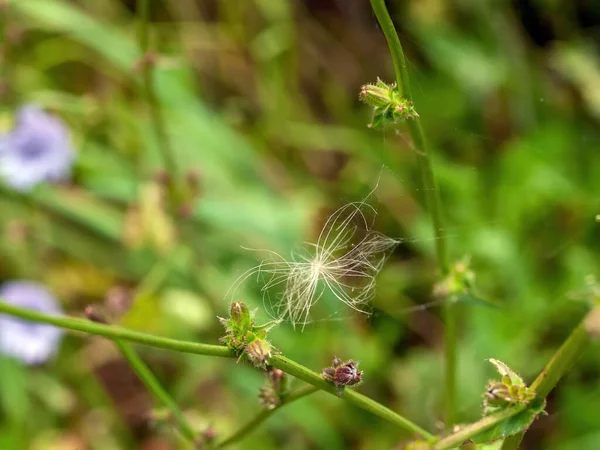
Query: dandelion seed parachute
point(345, 261)
point(30, 342)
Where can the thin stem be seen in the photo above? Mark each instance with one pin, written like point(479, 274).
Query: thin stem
point(307, 375)
point(277, 361)
point(156, 113)
point(154, 386)
point(115, 332)
point(264, 414)
point(456, 439)
point(431, 195)
point(562, 361)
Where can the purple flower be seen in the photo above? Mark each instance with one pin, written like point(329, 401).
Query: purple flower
point(32, 343)
point(36, 150)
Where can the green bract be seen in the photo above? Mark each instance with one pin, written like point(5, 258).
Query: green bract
point(511, 390)
point(244, 337)
point(389, 106)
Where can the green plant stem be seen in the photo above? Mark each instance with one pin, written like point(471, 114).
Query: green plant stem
point(156, 113)
point(115, 332)
point(431, 196)
point(154, 386)
point(562, 361)
point(456, 439)
point(264, 414)
point(307, 375)
point(278, 361)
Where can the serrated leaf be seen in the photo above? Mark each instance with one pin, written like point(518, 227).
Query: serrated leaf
point(514, 424)
point(506, 371)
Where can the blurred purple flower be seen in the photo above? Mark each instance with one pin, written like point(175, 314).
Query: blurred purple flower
point(32, 343)
point(38, 149)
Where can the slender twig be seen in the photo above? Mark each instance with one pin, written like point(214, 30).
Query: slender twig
point(277, 361)
point(562, 361)
point(305, 374)
point(116, 332)
point(431, 195)
point(147, 70)
point(154, 386)
point(264, 414)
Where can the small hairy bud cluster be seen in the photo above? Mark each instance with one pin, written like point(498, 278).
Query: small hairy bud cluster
point(271, 394)
point(343, 374)
point(259, 352)
point(510, 390)
point(206, 440)
point(389, 107)
point(459, 285)
point(459, 281)
point(245, 338)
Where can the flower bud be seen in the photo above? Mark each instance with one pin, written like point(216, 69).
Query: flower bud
point(95, 314)
point(259, 352)
point(342, 374)
point(268, 397)
point(239, 312)
point(468, 445)
point(279, 380)
point(378, 94)
point(389, 107)
point(275, 387)
point(237, 326)
point(497, 394)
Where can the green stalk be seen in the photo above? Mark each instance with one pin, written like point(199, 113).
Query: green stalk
point(562, 361)
point(307, 375)
point(156, 113)
point(115, 332)
point(431, 196)
point(278, 361)
point(264, 414)
point(154, 386)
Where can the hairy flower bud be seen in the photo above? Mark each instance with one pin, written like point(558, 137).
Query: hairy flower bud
point(468, 445)
point(342, 374)
point(240, 313)
point(510, 390)
point(275, 388)
point(278, 379)
point(389, 106)
point(259, 352)
point(96, 314)
point(237, 326)
point(244, 337)
point(268, 397)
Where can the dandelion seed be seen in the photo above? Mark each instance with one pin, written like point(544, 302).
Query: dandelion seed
point(344, 261)
point(32, 343)
point(37, 150)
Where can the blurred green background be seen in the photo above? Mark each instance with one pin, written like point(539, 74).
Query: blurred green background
point(261, 103)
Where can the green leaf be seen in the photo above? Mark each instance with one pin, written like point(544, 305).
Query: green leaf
point(506, 371)
point(514, 424)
